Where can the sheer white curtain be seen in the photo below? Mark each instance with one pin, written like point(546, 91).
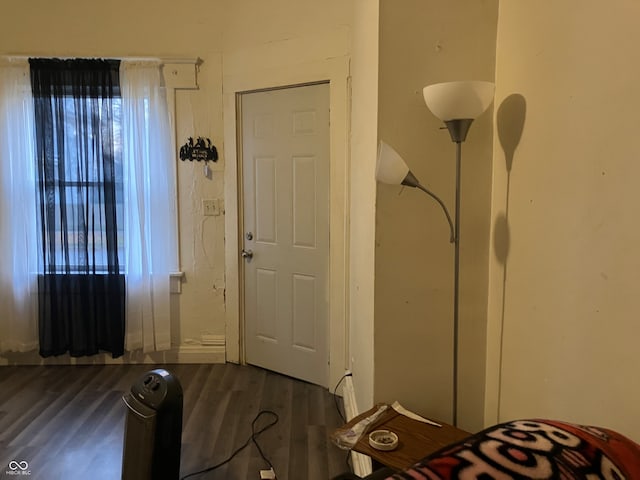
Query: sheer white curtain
point(150, 206)
point(18, 236)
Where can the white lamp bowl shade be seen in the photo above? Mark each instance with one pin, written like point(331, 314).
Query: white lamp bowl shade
point(458, 100)
point(390, 167)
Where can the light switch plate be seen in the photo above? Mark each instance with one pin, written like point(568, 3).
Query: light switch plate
point(210, 207)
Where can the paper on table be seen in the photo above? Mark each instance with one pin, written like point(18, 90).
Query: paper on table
point(403, 411)
point(346, 439)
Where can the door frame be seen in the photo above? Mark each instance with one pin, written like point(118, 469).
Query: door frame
point(335, 71)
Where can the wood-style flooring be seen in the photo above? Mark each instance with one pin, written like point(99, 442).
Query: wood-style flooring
point(67, 422)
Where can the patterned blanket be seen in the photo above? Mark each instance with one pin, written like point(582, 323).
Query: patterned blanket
point(537, 449)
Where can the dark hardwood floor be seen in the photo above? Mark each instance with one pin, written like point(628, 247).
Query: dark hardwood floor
point(67, 422)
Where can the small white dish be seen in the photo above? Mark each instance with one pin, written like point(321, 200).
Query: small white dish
point(383, 440)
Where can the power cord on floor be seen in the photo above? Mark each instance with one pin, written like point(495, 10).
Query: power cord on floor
point(335, 395)
point(252, 438)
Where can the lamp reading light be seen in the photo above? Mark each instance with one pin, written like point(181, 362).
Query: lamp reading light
point(392, 169)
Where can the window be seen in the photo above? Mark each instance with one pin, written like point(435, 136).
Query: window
point(87, 188)
point(79, 168)
point(81, 185)
point(79, 189)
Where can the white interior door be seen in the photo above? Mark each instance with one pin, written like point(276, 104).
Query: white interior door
point(285, 169)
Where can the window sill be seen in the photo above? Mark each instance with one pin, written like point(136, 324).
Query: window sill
point(175, 282)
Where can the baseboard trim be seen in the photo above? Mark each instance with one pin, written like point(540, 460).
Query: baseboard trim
point(361, 463)
point(181, 354)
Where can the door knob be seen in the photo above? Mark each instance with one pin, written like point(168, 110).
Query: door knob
point(248, 254)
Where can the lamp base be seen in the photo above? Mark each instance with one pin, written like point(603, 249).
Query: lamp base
point(458, 129)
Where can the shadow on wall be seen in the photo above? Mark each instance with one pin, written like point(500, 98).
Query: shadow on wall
point(510, 121)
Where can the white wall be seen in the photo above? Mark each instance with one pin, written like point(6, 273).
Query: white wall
point(426, 42)
point(565, 270)
point(284, 32)
point(74, 28)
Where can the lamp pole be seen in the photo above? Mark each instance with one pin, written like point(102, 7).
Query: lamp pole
point(456, 285)
point(457, 104)
point(458, 130)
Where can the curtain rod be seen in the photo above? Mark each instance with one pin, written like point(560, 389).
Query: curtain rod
point(164, 60)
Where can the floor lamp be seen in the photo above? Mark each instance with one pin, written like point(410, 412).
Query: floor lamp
point(457, 104)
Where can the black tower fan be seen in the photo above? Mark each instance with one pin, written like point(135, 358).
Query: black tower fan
point(153, 428)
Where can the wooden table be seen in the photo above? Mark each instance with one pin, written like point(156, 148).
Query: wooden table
point(416, 439)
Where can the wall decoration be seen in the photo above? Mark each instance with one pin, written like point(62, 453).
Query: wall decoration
point(201, 149)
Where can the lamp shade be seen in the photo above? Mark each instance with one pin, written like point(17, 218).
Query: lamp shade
point(458, 100)
point(390, 167)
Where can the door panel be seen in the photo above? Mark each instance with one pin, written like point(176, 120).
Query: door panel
point(285, 167)
point(304, 202)
point(266, 289)
point(265, 199)
point(304, 312)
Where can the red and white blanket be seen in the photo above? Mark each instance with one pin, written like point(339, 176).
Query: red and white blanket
point(537, 449)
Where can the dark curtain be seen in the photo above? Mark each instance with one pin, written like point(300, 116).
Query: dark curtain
point(81, 289)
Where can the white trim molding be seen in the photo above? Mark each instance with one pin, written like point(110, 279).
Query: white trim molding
point(361, 463)
point(181, 354)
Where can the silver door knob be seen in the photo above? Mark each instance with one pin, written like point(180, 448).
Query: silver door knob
point(247, 254)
